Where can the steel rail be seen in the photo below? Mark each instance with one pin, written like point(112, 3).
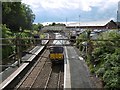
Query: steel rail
point(48, 79)
point(18, 86)
point(59, 79)
point(15, 74)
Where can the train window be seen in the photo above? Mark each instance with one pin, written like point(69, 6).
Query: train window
point(59, 50)
point(51, 49)
point(56, 49)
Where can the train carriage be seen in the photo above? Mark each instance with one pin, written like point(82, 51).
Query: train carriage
point(56, 54)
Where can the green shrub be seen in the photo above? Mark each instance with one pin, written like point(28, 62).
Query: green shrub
point(106, 58)
point(100, 71)
point(6, 50)
point(111, 79)
point(10, 49)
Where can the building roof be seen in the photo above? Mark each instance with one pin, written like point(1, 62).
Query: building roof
point(94, 23)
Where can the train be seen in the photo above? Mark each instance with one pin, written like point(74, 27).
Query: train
point(56, 53)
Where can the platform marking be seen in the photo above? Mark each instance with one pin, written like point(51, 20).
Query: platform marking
point(67, 77)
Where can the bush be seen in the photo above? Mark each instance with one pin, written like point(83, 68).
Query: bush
point(6, 50)
point(111, 79)
point(106, 58)
point(10, 49)
point(100, 71)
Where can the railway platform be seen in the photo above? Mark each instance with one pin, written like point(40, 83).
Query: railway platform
point(11, 74)
point(76, 72)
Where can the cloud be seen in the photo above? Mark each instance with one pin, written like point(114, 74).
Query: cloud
point(56, 9)
point(84, 5)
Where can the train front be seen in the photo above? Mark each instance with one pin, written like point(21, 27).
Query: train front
point(57, 50)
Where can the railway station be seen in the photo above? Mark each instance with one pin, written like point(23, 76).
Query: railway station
point(36, 67)
point(77, 53)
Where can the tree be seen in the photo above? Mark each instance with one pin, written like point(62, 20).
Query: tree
point(40, 26)
point(16, 15)
point(37, 26)
point(53, 24)
point(29, 16)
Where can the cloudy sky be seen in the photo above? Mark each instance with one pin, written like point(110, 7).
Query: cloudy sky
point(70, 10)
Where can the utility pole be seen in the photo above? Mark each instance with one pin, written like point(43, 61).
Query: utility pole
point(18, 38)
point(117, 21)
point(117, 15)
point(79, 22)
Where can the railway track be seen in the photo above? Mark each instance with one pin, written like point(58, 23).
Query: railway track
point(43, 75)
point(31, 76)
point(55, 78)
point(39, 74)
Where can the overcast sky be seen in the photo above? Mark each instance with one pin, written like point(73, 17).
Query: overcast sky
point(59, 10)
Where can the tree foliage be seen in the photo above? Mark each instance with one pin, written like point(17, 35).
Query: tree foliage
point(16, 15)
point(37, 26)
point(57, 24)
point(7, 50)
point(106, 58)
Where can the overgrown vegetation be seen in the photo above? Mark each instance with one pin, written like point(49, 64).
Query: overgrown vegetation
point(16, 16)
point(106, 58)
point(6, 33)
point(7, 50)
